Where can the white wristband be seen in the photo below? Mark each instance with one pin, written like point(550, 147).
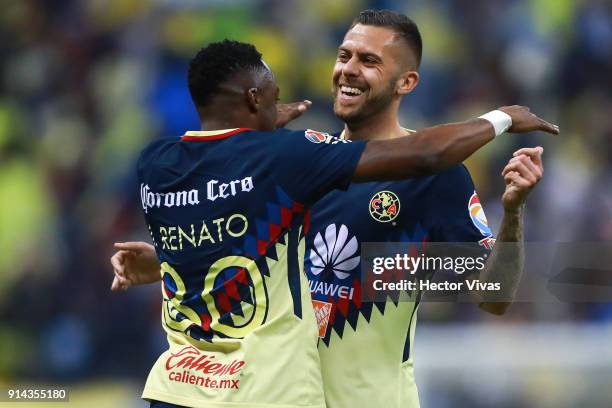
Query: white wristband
point(501, 121)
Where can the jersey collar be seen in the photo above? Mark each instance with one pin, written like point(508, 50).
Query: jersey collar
point(208, 135)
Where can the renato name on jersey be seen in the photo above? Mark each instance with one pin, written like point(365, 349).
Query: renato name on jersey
point(228, 212)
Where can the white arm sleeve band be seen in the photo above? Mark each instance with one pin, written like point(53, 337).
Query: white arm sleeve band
point(501, 121)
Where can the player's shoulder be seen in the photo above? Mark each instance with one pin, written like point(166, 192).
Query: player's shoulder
point(277, 142)
point(306, 137)
point(440, 187)
point(455, 176)
point(316, 136)
point(170, 153)
point(278, 134)
point(452, 186)
point(156, 149)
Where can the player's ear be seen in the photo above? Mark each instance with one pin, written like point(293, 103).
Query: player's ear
point(407, 82)
point(253, 99)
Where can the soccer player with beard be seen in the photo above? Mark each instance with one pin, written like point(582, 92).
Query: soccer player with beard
point(188, 320)
point(366, 347)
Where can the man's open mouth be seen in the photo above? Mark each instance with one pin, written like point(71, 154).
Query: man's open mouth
point(350, 91)
point(349, 94)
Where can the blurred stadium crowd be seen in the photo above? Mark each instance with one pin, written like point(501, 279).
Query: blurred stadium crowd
point(85, 84)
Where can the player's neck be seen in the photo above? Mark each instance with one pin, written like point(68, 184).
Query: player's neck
point(220, 124)
point(215, 119)
point(384, 125)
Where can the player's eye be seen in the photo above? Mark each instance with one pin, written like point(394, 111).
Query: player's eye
point(343, 57)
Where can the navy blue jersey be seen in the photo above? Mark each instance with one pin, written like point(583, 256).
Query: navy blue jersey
point(365, 346)
point(226, 211)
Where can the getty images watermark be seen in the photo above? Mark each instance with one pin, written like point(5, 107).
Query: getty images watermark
point(407, 264)
point(458, 271)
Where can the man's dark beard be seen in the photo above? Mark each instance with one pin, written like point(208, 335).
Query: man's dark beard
point(371, 107)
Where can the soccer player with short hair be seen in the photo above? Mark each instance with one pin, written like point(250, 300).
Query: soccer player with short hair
point(228, 209)
point(366, 347)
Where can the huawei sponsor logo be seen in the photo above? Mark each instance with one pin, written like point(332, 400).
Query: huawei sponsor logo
point(334, 252)
point(331, 289)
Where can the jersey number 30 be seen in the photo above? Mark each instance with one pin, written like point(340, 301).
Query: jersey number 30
point(180, 317)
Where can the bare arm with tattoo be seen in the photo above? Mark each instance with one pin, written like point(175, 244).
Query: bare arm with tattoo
point(506, 262)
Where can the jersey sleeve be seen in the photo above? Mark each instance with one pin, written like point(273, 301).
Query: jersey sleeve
point(460, 215)
point(312, 163)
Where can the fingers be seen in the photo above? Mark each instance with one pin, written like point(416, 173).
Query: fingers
point(304, 105)
point(134, 246)
point(118, 261)
point(548, 127)
point(534, 153)
point(529, 151)
point(525, 121)
point(529, 164)
point(119, 284)
point(295, 111)
point(514, 164)
point(294, 108)
point(514, 178)
point(115, 285)
point(525, 168)
point(298, 108)
point(290, 111)
point(523, 171)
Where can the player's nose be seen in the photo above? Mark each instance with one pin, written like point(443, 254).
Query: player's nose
point(351, 67)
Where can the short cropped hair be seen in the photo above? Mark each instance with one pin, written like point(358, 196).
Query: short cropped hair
point(216, 64)
point(400, 23)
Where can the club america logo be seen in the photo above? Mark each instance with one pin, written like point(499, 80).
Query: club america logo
point(384, 206)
